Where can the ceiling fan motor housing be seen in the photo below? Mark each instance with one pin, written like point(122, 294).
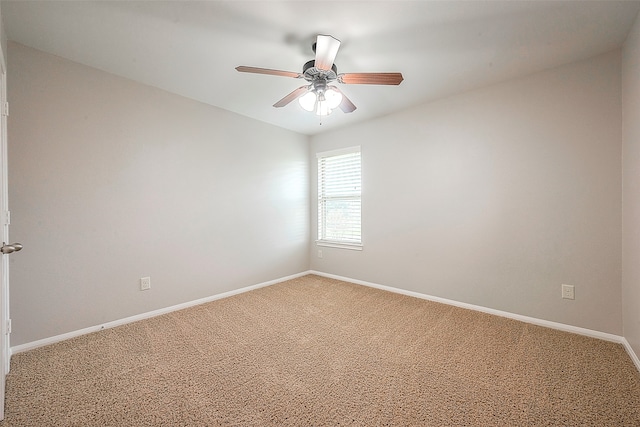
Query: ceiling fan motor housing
point(311, 73)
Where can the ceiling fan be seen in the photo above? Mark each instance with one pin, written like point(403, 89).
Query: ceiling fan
point(320, 95)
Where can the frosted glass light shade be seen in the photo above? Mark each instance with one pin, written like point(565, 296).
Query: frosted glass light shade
point(321, 103)
point(308, 101)
point(333, 98)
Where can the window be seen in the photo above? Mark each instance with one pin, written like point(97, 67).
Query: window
point(339, 198)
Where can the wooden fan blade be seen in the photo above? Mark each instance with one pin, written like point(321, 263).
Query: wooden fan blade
point(293, 95)
point(346, 105)
point(371, 78)
point(326, 51)
point(244, 69)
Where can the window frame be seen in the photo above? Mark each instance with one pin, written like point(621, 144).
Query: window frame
point(321, 199)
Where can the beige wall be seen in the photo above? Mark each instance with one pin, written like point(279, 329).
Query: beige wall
point(496, 197)
point(631, 182)
point(111, 181)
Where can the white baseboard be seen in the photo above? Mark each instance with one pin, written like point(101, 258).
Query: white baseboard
point(51, 340)
point(632, 354)
point(532, 320)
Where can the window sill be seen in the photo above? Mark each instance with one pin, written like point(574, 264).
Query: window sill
point(340, 245)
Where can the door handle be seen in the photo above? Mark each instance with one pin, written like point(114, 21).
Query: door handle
point(8, 249)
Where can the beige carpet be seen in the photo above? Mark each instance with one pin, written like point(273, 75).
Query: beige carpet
point(320, 352)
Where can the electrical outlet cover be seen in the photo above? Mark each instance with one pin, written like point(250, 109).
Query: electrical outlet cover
point(568, 292)
point(145, 283)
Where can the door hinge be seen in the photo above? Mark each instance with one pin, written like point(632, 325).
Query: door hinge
point(5, 109)
point(8, 326)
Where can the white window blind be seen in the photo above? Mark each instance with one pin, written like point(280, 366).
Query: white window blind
point(339, 197)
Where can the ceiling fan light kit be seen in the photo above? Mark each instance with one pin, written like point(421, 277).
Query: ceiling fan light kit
point(319, 96)
point(321, 100)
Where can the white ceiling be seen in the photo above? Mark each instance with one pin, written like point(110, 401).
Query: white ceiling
point(191, 48)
